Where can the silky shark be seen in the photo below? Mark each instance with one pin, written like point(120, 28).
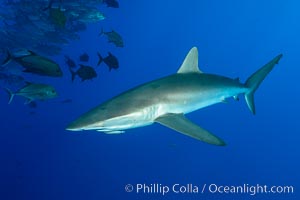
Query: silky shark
point(167, 100)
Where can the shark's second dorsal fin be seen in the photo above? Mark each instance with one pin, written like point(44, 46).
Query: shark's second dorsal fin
point(190, 63)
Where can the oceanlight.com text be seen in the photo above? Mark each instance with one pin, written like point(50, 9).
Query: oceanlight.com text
point(250, 189)
point(176, 188)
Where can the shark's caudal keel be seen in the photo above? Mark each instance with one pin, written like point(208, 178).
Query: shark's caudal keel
point(166, 100)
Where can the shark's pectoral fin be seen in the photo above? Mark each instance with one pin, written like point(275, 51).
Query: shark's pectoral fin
point(180, 123)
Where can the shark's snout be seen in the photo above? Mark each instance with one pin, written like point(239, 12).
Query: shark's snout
point(84, 123)
point(74, 127)
point(77, 125)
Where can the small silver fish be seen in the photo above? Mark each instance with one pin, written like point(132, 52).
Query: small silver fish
point(33, 91)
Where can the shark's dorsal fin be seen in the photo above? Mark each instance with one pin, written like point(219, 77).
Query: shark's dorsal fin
point(190, 63)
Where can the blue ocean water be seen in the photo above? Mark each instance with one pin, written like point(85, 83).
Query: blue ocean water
point(41, 160)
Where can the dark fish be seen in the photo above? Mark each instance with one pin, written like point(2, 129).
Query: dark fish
point(84, 72)
point(84, 57)
point(70, 62)
point(111, 61)
point(33, 91)
point(113, 37)
point(111, 3)
point(36, 64)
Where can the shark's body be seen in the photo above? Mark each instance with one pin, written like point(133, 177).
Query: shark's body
point(166, 100)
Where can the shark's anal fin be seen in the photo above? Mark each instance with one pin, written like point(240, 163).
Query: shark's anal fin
point(180, 123)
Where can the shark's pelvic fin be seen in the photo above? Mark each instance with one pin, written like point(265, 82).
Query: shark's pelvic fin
point(255, 80)
point(180, 123)
point(190, 63)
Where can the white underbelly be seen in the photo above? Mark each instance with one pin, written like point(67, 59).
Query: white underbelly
point(143, 117)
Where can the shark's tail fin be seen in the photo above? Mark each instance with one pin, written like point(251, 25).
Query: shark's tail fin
point(11, 95)
point(255, 80)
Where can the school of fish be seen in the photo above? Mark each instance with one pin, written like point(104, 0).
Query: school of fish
point(32, 34)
